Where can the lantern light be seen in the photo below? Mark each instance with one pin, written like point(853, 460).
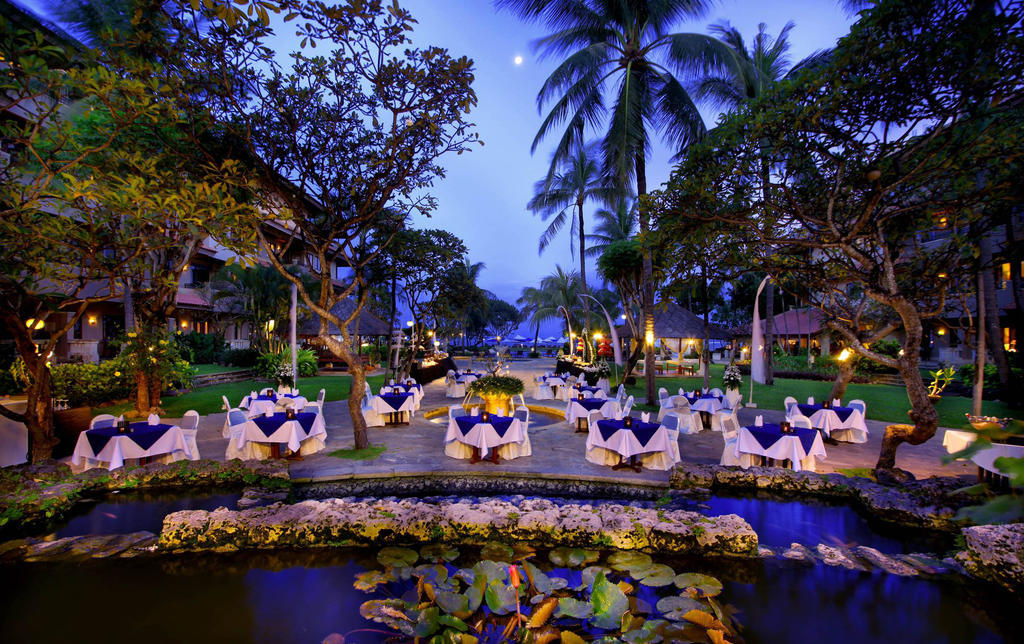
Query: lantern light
point(92, 320)
point(649, 338)
point(34, 324)
point(844, 355)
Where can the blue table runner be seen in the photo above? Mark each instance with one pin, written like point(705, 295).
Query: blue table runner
point(395, 401)
point(770, 433)
point(643, 431)
point(499, 423)
point(270, 424)
point(143, 434)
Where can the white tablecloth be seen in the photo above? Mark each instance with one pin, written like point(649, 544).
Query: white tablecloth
point(710, 405)
point(955, 440)
point(259, 407)
point(483, 436)
point(574, 410)
point(786, 447)
point(415, 390)
point(985, 459)
point(290, 433)
point(381, 407)
point(828, 421)
point(121, 446)
point(625, 443)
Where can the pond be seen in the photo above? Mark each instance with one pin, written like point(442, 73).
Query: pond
point(134, 511)
point(304, 596)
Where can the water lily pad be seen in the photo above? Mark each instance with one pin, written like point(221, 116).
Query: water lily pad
point(434, 573)
point(439, 552)
point(452, 622)
point(453, 603)
point(572, 557)
point(656, 575)
point(396, 556)
point(497, 552)
point(490, 570)
point(402, 572)
point(590, 574)
point(389, 612)
point(475, 593)
point(569, 607)
point(707, 586)
point(568, 637)
point(501, 599)
point(540, 580)
point(609, 604)
point(675, 606)
point(369, 580)
point(629, 561)
point(649, 632)
point(522, 550)
point(427, 623)
point(558, 583)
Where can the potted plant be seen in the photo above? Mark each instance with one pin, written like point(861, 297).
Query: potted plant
point(496, 391)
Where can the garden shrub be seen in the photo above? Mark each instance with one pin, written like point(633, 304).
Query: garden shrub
point(240, 357)
point(268, 364)
point(8, 383)
point(92, 384)
point(201, 348)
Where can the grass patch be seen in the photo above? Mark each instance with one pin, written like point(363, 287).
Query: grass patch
point(863, 472)
point(368, 453)
point(884, 402)
point(207, 369)
point(207, 400)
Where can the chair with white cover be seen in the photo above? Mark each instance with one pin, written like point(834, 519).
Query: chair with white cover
point(267, 391)
point(102, 420)
point(515, 450)
point(312, 408)
point(690, 421)
point(730, 434)
point(620, 394)
point(457, 449)
point(227, 404)
point(858, 434)
point(543, 389)
point(522, 401)
point(718, 419)
point(370, 415)
point(587, 394)
point(628, 407)
point(860, 405)
point(788, 402)
point(249, 450)
point(801, 421)
point(665, 460)
point(284, 389)
point(665, 403)
point(454, 388)
point(189, 428)
point(456, 410)
point(732, 399)
point(320, 398)
point(716, 392)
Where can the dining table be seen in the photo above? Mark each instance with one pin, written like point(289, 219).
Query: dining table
point(577, 410)
point(707, 404)
point(395, 406)
point(615, 437)
point(828, 419)
point(302, 434)
point(141, 440)
point(800, 446)
point(415, 389)
point(263, 403)
point(484, 435)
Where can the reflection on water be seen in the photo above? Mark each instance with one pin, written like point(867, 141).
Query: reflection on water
point(808, 521)
point(132, 512)
point(302, 597)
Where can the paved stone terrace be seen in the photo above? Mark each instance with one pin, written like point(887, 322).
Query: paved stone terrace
point(558, 452)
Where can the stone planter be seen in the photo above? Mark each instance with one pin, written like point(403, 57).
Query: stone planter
point(67, 425)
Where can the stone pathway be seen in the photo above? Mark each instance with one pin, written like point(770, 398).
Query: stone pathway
point(558, 452)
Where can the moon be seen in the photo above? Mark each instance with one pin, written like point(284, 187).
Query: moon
point(518, 60)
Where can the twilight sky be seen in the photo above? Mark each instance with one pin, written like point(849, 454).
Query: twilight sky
point(483, 198)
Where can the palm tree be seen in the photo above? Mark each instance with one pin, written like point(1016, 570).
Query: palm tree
point(560, 197)
point(623, 50)
point(612, 226)
point(558, 290)
point(744, 75)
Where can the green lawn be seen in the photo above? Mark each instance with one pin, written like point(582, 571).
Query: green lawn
point(207, 400)
point(207, 369)
point(884, 402)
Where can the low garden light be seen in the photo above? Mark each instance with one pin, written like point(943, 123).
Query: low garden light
point(941, 331)
point(409, 323)
point(34, 324)
point(92, 320)
point(598, 335)
point(844, 355)
point(649, 338)
point(184, 324)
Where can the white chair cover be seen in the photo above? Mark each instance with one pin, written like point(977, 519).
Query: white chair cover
point(370, 415)
point(102, 420)
point(189, 428)
point(788, 402)
point(249, 450)
point(510, 451)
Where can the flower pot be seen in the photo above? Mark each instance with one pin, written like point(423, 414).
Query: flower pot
point(67, 425)
point(497, 404)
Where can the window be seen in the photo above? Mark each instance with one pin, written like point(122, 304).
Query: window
point(314, 261)
point(200, 276)
point(1004, 274)
point(76, 332)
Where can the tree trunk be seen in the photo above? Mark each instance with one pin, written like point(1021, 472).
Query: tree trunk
point(704, 351)
point(584, 287)
point(991, 316)
point(142, 389)
point(536, 336)
point(769, 333)
point(842, 380)
point(979, 358)
point(922, 414)
point(39, 413)
point(647, 287)
point(355, 396)
point(391, 331)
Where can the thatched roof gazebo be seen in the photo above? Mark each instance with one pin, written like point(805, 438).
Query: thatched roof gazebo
point(674, 323)
point(366, 325)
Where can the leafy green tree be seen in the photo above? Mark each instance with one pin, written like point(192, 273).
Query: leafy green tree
point(256, 294)
point(616, 224)
point(561, 197)
point(736, 75)
point(339, 139)
point(622, 51)
point(886, 166)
